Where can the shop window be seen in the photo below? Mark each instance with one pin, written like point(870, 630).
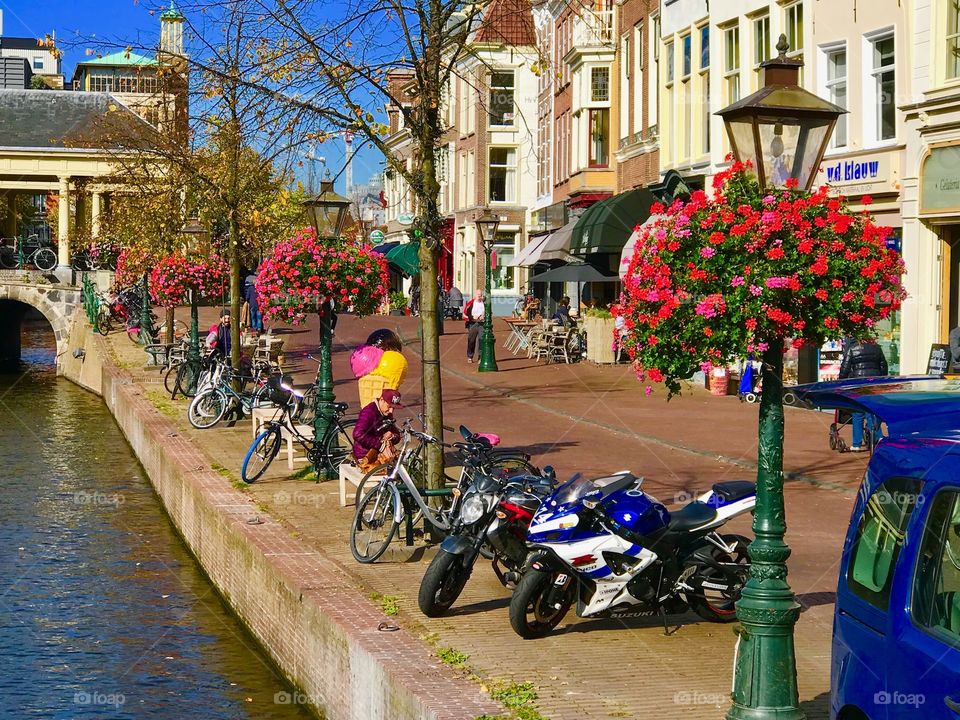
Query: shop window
point(879, 540)
point(936, 586)
point(501, 98)
point(503, 175)
point(505, 246)
point(599, 137)
point(837, 91)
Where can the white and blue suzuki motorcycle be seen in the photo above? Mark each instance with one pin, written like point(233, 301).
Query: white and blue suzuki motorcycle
point(617, 552)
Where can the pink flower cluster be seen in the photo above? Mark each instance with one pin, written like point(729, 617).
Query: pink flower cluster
point(304, 274)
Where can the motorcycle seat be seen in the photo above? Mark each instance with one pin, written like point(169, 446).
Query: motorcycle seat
point(693, 515)
point(734, 490)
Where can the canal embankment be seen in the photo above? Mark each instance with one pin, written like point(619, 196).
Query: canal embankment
point(339, 648)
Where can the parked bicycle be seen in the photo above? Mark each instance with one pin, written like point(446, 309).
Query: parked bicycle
point(28, 251)
point(396, 494)
point(217, 396)
point(325, 454)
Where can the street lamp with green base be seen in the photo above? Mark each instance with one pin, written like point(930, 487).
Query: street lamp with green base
point(487, 225)
point(783, 131)
point(195, 235)
point(327, 212)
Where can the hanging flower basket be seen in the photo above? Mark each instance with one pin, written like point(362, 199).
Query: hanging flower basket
point(172, 278)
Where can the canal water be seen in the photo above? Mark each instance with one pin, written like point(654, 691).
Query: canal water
point(103, 612)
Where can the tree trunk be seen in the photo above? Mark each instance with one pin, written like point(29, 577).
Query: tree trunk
point(168, 318)
point(432, 385)
point(235, 287)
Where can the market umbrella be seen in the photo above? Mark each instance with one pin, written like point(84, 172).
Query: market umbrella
point(574, 272)
point(405, 257)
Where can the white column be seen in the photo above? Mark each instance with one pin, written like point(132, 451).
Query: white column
point(63, 212)
point(95, 210)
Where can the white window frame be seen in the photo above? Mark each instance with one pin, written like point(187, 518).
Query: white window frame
point(828, 87)
point(510, 175)
point(626, 67)
point(703, 77)
point(38, 62)
point(511, 121)
point(599, 70)
point(755, 61)
point(731, 73)
point(871, 99)
point(947, 38)
point(788, 10)
point(639, 63)
point(653, 48)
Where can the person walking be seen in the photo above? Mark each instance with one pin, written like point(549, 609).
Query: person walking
point(473, 315)
point(861, 359)
point(250, 295)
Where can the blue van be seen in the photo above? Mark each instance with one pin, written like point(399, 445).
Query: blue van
point(896, 627)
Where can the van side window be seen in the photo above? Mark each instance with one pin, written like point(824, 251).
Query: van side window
point(936, 587)
point(879, 539)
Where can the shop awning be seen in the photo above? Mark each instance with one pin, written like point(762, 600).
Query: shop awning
point(627, 254)
point(533, 248)
point(384, 248)
point(558, 246)
point(574, 272)
point(607, 225)
point(405, 257)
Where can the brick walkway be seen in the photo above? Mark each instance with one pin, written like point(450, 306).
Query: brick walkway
point(593, 420)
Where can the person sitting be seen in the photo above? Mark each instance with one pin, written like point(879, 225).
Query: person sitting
point(562, 315)
point(375, 431)
point(218, 338)
point(862, 358)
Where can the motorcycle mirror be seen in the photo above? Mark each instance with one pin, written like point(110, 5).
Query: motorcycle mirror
point(466, 434)
point(549, 472)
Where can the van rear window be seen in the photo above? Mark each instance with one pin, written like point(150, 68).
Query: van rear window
point(879, 540)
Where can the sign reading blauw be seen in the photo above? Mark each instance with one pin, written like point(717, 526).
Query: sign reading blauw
point(853, 171)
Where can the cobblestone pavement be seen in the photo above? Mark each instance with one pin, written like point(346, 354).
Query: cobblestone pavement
point(593, 420)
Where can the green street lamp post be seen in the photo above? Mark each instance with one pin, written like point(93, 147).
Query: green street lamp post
point(327, 212)
point(147, 331)
point(195, 235)
point(487, 225)
point(783, 130)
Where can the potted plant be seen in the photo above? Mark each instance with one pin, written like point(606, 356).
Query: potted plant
point(398, 302)
point(599, 326)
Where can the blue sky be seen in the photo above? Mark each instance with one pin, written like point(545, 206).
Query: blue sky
point(80, 23)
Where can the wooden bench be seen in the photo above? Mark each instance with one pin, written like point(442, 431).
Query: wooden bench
point(349, 473)
point(261, 416)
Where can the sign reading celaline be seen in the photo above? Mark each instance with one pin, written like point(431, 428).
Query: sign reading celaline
point(940, 181)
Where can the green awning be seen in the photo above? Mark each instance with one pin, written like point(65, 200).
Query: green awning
point(405, 257)
point(606, 226)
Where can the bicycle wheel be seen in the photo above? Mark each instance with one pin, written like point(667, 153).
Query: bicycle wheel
point(369, 481)
point(207, 409)
point(374, 523)
point(45, 259)
point(338, 443)
point(104, 324)
point(186, 379)
point(8, 258)
point(306, 411)
point(180, 330)
point(260, 454)
point(170, 379)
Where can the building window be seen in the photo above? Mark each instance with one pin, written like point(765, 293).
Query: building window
point(101, 83)
point(936, 585)
point(625, 67)
point(503, 175)
point(794, 26)
point(501, 98)
point(599, 137)
point(731, 64)
point(837, 92)
point(653, 46)
point(761, 40)
point(668, 70)
point(953, 39)
point(38, 63)
point(639, 60)
point(705, 116)
point(503, 276)
point(600, 84)
point(884, 74)
point(687, 44)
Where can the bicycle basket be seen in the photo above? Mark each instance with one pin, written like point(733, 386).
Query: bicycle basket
point(278, 394)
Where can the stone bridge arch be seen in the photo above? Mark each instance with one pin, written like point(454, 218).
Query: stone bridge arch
point(56, 303)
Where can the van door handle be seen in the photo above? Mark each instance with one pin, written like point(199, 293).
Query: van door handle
point(953, 704)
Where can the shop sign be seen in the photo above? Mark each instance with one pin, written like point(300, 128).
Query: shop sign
point(939, 360)
point(377, 237)
point(940, 181)
point(865, 172)
point(405, 218)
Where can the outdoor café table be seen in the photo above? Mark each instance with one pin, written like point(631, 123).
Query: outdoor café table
point(519, 334)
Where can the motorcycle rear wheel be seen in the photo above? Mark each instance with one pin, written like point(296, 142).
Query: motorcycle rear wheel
point(442, 583)
point(718, 607)
point(530, 614)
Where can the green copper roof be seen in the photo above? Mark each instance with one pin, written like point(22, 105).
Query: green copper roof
point(171, 14)
point(121, 58)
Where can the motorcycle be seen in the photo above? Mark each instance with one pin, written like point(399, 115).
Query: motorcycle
point(617, 552)
point(492, 521)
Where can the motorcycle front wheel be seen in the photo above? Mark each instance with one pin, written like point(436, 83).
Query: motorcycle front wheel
point(536, 608)
point(442, 583)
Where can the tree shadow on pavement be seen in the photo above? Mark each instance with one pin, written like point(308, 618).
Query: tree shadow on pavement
point(815, 599)
point(817, 708)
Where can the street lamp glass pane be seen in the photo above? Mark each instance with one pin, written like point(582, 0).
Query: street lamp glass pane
point(791, 148)
point(742, 140)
